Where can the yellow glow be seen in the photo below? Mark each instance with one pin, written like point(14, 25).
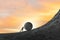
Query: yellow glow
point(15, 13)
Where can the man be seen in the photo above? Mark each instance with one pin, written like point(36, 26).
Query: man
point(28, 26)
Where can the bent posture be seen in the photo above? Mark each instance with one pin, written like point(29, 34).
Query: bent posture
point(28, 26)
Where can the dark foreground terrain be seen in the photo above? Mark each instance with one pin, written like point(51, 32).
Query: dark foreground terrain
point(49, 31)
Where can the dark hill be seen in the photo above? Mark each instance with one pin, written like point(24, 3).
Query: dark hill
point(49, 31)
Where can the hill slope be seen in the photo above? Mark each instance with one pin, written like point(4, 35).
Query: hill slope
point(49, 31)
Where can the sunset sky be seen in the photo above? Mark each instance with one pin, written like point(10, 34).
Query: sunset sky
point(14, 13)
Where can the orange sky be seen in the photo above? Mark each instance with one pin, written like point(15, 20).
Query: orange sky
point(14, 13)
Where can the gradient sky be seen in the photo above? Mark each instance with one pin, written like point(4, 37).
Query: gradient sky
point(14, 13)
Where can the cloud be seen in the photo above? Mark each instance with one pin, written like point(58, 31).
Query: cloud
point(34, 3)
point(3, 15)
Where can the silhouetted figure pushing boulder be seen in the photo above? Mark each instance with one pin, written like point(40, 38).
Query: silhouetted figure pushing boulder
point(28, 26)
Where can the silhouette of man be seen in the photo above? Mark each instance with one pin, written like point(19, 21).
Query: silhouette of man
point(28, 26)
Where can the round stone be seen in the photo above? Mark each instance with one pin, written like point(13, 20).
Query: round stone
point(28, 26)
